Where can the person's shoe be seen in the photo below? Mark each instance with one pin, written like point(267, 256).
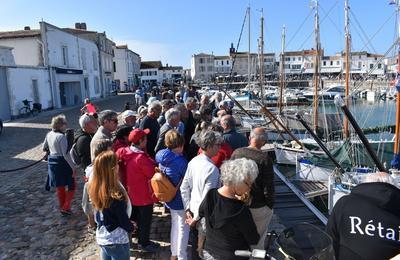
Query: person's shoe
point(66, 212)
point(152, 247)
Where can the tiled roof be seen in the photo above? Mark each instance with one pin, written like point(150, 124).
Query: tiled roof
point(150, 65)
point(172, 68)
point(77, 31)
point(19, 34)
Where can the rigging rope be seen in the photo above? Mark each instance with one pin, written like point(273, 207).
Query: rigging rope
point(298, 29)
point(362, 30)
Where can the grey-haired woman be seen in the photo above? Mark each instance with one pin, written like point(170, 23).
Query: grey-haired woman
point(60, 165)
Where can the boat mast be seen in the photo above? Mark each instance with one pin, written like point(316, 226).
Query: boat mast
point(282, 69)
point(397, 85)
point(248, 57)
point(346, 133)
point(316, 64)
point(262, 56)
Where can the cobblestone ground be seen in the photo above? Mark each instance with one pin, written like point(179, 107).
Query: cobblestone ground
point(31, 226)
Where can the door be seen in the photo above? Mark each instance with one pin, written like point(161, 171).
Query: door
point(86, 86)
point(63, 97)
point(4, 101)
point(35, 91)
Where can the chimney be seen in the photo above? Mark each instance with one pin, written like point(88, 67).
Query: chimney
point(77, 26)
point(83, 26)
point(27, 28)
point(231, 49)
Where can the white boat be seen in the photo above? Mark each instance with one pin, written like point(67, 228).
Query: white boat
point(306, 170)
point(327, 94)
point(287, 155)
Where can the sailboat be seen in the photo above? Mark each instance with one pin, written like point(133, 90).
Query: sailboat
point(350, 149)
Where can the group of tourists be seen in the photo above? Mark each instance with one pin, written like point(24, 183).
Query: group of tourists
point(224, 182)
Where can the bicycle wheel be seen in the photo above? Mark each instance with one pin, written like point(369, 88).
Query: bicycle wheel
point(24, 112)
point(34, 112)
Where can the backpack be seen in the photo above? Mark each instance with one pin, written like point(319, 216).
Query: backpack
point(75, 156)
point(162, 187)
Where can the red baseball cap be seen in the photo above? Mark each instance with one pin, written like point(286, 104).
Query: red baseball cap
point(137, 134)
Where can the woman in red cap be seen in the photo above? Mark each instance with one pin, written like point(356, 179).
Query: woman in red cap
point(139, 168)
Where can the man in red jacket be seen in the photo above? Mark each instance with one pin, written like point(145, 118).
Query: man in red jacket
point(139, 170)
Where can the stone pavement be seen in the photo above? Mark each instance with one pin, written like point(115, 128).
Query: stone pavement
point(31, 226)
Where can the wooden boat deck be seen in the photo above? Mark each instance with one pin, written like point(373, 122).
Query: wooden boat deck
point(311, 189)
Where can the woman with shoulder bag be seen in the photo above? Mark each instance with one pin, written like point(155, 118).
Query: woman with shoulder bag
point(173, 164)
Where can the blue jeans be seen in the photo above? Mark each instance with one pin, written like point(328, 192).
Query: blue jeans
point(115, 252)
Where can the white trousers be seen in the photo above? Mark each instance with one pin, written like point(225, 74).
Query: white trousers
point(261, 216)
point(179, 234)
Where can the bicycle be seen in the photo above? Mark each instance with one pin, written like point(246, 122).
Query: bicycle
point(26, 110)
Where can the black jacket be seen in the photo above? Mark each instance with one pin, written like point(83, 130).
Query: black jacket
point(115, 216)
point(263, 190)
point(152, 137)
point(366, 223)
point(229, 226)
point(82, 140)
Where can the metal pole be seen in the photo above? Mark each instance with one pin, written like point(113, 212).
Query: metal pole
point(282, 69)
point(262, 57)
point(320, 143)
point(346, 132)
point(339, 102)
point(249, 58)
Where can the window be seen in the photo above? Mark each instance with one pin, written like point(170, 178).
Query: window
point(209, 68)
point(94, 54)
point(201, 60)
point(379, 65)
point(227, 62)
point(299, 58)
point(65, 56)
point(324, 63)
point(371, 66)
point(96, 85)
point(222, 62)
point(359, 64)
point(337, 62)
point(202, 68)
point(296, 67)
point(83, 57)
point(331, 63)
point(114, 67)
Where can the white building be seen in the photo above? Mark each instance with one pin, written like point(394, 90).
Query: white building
point(222, 65)
point(150, 73)
point(126, 68)
point(202, 67)
point(206, 67)
point(71, 62)
point(105, 53)
point(171, 74)
point(21, 82)
point(367, 63)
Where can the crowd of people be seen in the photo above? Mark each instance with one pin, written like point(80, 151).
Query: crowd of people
point(224, 181)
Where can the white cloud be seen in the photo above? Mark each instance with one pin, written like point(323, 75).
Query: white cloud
point(171, 54)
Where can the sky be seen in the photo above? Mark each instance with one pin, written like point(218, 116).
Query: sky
point(173, 30)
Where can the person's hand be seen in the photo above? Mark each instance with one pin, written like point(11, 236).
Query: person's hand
point(190, 220)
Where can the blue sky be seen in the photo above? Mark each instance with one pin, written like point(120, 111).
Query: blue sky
point(173, 30)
